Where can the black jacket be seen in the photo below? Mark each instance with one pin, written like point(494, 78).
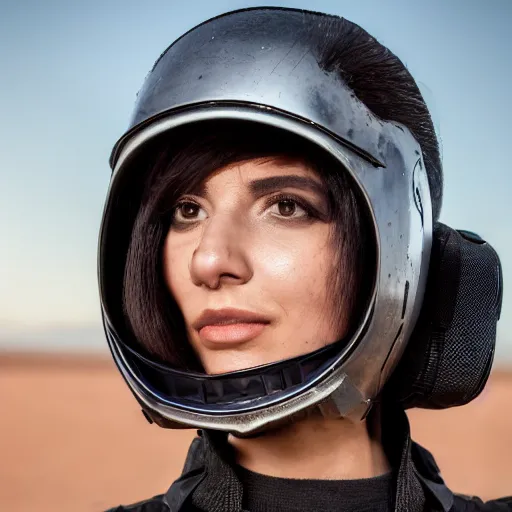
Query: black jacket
point(209, 483)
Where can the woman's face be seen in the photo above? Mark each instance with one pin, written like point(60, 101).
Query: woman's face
point(249, 260)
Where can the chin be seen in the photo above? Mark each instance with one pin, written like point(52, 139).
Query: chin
point(227, 363)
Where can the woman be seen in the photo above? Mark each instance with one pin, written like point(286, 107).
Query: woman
point(270, 252)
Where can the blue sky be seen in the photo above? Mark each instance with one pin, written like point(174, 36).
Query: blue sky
point(70, 73)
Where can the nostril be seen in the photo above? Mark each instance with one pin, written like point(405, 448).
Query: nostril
point(229, 276)
point(224, 278)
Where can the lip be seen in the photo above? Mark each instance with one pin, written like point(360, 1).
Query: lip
point(227, 326)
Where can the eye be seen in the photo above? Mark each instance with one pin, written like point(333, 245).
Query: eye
point(188, 212)
point(288, 208)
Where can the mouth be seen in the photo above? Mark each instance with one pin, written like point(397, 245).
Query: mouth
point(229, 326)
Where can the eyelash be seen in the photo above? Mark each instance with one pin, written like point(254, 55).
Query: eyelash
point(310, 211)
point(178, 205)
point(270, 201)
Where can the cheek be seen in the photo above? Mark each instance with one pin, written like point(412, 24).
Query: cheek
point(176, 258)
point(298, 271)
point(298, 281)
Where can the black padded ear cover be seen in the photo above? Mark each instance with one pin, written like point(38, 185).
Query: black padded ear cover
point(449, 356)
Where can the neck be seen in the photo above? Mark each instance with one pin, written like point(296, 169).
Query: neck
point(335, 449)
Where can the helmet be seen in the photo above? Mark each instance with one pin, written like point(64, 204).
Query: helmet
point(264, 66)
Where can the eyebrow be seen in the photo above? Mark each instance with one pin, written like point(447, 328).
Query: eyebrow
point(266, 185)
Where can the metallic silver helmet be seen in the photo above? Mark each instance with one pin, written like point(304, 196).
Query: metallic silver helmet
point(262, 66)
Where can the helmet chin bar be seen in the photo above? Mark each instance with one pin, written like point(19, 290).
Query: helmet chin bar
point(334, 396)
point(230, 392)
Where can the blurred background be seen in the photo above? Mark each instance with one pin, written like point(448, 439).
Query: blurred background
point(72, 437)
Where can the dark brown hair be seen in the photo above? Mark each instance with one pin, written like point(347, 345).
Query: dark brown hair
point(382, 82)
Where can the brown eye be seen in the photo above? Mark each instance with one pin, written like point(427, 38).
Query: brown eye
point(287, 208)
point(188, 212)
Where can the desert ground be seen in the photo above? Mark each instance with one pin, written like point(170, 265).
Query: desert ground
point(73, 438)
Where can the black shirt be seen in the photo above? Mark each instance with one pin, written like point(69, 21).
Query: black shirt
point(267, 494)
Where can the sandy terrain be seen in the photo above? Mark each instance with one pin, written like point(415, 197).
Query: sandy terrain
point(73, 439)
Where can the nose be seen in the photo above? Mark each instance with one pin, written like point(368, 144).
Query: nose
point(221, 257)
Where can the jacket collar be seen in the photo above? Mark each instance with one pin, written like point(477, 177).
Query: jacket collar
point(209, 481)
